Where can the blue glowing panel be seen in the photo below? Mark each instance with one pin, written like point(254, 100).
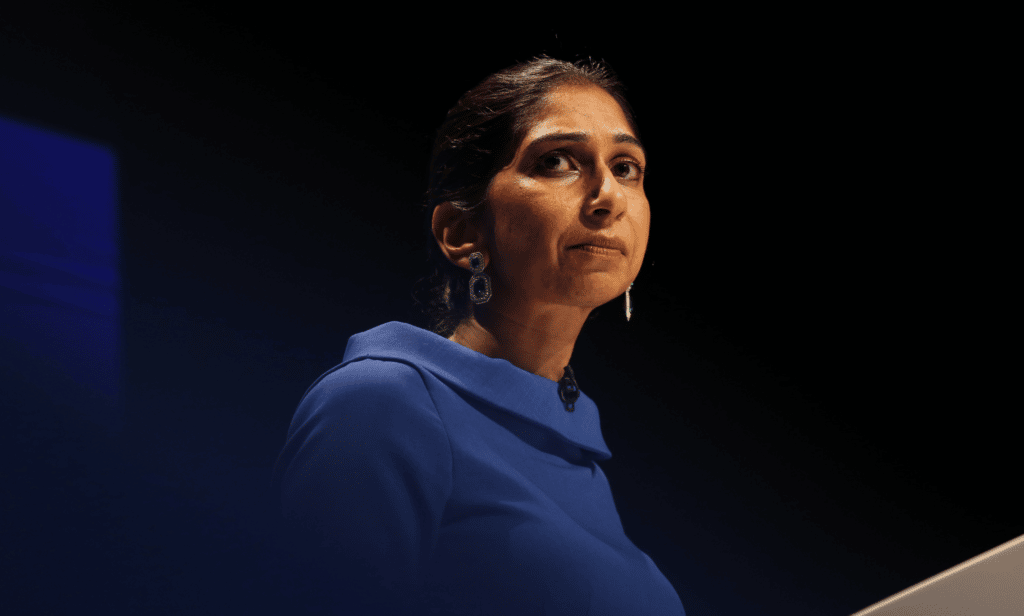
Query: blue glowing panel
point(59, 282)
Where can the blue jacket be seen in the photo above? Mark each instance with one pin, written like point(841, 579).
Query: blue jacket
point(428, 478)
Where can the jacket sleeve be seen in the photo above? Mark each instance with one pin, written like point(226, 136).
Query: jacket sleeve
point(363, 477)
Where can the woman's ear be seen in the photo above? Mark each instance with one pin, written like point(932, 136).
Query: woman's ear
point(457, 234)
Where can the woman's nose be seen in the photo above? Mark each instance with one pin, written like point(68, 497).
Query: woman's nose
point(607, 194)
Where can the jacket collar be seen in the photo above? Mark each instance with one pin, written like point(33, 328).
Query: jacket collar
point(494, 381)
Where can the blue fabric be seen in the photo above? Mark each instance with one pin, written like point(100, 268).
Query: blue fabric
point(433, 479)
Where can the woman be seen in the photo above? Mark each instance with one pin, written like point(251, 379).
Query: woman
point(454, 471)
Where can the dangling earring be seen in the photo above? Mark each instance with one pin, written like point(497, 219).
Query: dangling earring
point(479, 279)
point(629, 305)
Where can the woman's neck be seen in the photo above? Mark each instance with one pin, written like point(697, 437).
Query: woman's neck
point(542, 343)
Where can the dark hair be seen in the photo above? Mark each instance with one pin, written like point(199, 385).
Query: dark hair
point(478, 138)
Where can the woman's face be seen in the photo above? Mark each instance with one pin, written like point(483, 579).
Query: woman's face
point(576, 178)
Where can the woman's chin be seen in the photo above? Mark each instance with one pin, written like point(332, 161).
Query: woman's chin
point(597, 297)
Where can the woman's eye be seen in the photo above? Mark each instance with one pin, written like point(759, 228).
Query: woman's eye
point(555, 161)
point(560, 162)
point(629, 170)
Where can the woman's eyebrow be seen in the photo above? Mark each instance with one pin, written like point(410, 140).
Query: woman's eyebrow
point(581, 137)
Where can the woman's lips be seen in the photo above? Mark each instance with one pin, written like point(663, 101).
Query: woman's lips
point(601, 244)
point(597, 250)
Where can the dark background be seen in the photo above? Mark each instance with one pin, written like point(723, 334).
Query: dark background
point(809, 411)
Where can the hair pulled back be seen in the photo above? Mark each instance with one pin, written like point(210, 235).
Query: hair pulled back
point(478, 138)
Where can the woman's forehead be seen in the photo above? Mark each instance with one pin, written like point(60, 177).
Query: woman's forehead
point(575, 109)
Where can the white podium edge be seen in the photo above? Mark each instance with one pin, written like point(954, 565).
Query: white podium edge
point(1009, 545)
